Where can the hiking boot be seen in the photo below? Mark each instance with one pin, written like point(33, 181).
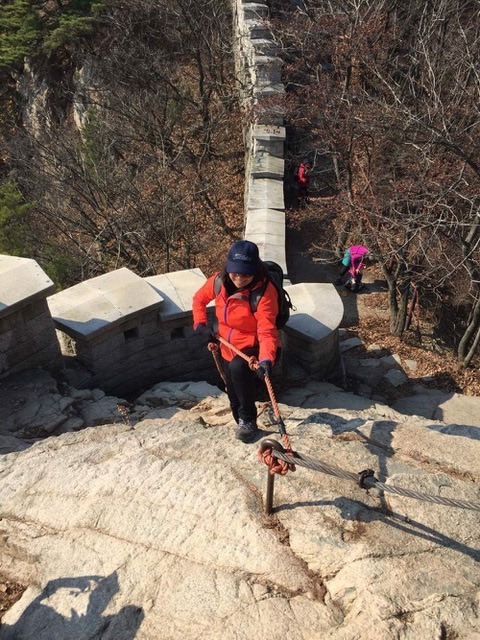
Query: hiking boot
point(246, 431)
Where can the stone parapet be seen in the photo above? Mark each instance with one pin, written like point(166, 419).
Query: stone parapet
point(265, 193)
point(177, 289)
point(103, 304)
point(265, 165)
point(265, 207)
point(311, 335)
point(130, 332)
point(255, 10)
point(27, 332)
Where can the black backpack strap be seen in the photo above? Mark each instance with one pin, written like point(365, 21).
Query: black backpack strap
point(217, 284)
point(256, 294)
point(289, 300)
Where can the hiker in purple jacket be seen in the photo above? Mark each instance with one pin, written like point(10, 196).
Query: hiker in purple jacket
point(353, 262)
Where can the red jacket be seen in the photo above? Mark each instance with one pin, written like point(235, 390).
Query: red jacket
point(236, 321)
point(303, 175)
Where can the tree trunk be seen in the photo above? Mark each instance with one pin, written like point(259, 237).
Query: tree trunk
point(398, 320)
point(471, 337)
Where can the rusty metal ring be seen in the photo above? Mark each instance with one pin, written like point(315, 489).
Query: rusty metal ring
point(270, 443)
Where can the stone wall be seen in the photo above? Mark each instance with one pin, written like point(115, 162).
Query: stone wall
point(260, 71)
point(128, 333)
point(310, 339)
point(123, 333)
point(27, 332)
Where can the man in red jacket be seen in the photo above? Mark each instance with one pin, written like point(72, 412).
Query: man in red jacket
point(254, 333)
point(303, 177)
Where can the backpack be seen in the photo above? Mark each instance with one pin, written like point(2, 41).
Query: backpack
point(274, 273)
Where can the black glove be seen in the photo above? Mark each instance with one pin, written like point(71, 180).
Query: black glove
point(202, 330)
point(264, 369)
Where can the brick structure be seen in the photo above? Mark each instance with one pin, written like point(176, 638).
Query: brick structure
point(27, 332)
point(128, 333)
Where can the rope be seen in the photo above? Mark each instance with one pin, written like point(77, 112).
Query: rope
point(367, 480)
point(280, 462)
point(213, 348)
point(275, 465)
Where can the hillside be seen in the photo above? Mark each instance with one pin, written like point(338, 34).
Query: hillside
point(311, 259)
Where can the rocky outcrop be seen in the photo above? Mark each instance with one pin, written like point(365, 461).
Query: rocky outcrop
point(154, 527)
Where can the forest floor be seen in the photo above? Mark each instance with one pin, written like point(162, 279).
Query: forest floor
point(366, 315)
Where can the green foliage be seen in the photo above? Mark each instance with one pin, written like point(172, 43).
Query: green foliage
point(77, 21)
point(16, 238)
point(91, 134)
point(14, 211)
point(63, 269)
point(28, 27)
point(19, 28)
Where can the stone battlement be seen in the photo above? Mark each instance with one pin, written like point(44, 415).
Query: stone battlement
point(123, 333)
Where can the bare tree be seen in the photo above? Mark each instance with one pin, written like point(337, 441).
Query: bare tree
point(156, 169)
point(389, 92)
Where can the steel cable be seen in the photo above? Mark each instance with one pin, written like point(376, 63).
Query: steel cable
point(365, 479)
point(369, 481)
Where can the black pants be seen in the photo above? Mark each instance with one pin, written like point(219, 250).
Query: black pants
point(242, 387)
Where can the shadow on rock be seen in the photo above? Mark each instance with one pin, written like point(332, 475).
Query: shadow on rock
point(360, 512)
point(462, 430)
point(73, 608)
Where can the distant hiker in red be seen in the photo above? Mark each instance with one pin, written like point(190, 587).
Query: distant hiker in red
point(302, 177)
point(252, 332)
point(353, 262)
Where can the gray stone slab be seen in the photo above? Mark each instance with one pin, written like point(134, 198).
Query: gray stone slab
point(369, 362)
point(451, 408)
point(269, 251)
point(459, 409)
point(258, 235)
point(267, 70)
point(350, 343)
point(256, 29)
point(273, 147)
point(275, 232)
point(396, 377)
point(265, 193)
point(176, 289)
point(264, 47)
point(392, 359)
point(95, 306)
point(254, 10)
point(269, 89)
point(267, 166)
point(319, 310)
point(22, 281)
point(270, 216)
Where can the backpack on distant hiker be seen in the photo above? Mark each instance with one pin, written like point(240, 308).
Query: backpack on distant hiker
point(274, 273)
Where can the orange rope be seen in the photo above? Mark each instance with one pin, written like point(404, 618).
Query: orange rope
point(274, 464)
point(213, 348)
